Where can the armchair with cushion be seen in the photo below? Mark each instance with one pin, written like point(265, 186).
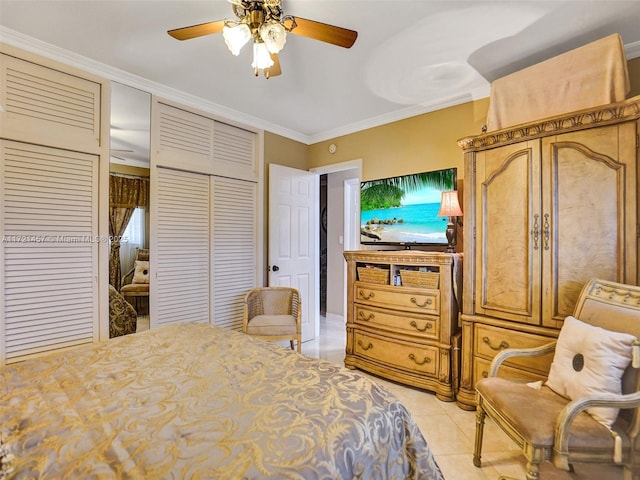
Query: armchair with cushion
point(135, 283)
point(573, 416)
point(273, 313)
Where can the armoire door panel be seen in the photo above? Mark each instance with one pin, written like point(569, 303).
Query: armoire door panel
point(586, 204)
point(508, 235)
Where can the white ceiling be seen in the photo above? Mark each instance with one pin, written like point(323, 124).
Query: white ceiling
point(410, 56)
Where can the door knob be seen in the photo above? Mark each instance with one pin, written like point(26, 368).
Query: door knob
point(275, 268)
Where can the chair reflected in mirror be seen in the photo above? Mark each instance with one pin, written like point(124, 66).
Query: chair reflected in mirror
point(135, 283)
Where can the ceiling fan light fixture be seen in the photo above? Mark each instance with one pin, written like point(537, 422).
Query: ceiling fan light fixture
point(264, 22)
point(261, 56)
point(274, 36)
point(236, 36)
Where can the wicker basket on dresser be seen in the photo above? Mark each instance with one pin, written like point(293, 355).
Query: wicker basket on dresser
point(402, 315)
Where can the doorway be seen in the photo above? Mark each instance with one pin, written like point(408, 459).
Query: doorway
point(323, 245)
point(337, 218)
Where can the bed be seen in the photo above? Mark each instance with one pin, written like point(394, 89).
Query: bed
point(197, 401)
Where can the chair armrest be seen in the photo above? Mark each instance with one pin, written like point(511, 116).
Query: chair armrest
point(573, 408)
point(123, 280)
point(519, 352)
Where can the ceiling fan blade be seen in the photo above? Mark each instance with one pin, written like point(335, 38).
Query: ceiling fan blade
point(341, 37)
point(274, 70)
point(185, 33)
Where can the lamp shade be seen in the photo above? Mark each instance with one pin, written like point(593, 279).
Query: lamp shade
point(449, 205)
point(236, 36)
point(274, 36)
point(261, 56)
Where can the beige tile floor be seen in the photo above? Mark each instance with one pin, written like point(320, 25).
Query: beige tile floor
point(449, 430)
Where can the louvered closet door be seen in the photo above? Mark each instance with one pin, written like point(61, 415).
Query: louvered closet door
point(48, 107)
point(234, 152)
point(180, 289)
point(183, 140)
point(49, 249)
point(233, 210)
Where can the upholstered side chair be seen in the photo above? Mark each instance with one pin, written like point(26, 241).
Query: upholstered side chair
point(135, 283)
point(273, 313)
point(550, 426)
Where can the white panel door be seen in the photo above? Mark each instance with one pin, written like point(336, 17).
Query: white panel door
point(49, 228)
point(179, 284)
point(293, 239)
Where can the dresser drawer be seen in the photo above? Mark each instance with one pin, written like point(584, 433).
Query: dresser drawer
point(490, 340)
point(481, 370)
point(406, 323)
point(399, 298)
point(394, 352)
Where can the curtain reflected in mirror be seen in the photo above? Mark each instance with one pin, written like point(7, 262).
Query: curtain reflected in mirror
point(129, 269)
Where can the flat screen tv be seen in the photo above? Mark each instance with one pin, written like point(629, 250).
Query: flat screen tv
point(403, 211)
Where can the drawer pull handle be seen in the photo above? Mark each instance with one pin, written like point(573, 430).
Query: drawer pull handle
point(367, 347)
point(413, 357)
point(427, 326)
point(428, 301)
point(366, 296)
point(370, 317)
point(502, 345)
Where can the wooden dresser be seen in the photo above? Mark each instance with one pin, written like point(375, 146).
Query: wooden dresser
point(402, 315)
point(548, 205)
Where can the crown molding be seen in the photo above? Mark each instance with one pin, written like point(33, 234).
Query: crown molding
point(44, 49)
point(33, 45)
point(632, 50)
point(38, 47)
point(401, 114)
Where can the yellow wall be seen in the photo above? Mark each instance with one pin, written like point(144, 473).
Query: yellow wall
point(424, 142)
point(634, 76)
point(417, 144)
point(284, 151)
point(128, 169)
point(280, 151)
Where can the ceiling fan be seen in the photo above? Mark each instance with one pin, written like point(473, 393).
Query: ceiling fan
point(264, 22)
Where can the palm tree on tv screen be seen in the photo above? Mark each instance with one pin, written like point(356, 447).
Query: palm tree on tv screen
point(388, 192)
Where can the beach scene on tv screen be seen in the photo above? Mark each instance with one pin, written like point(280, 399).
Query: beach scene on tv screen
point(406, 212)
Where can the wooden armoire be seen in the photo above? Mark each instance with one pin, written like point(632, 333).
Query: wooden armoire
point(548, 205)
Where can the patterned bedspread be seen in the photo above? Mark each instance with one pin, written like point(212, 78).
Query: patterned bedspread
point(198, 401)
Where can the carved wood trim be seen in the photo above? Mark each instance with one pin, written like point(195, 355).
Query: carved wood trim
point(589, 118)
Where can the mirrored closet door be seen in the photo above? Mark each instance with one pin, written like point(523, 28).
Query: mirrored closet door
point(129, 269)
